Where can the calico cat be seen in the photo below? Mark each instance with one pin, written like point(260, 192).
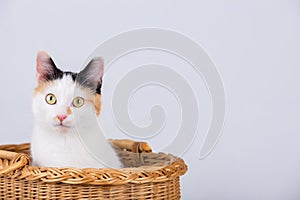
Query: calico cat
point(57, 96)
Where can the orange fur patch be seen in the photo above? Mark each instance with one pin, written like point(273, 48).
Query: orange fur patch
point(69, 111)
point(40, 88)
point(97, 103)
point(56, 119)
point(94, 99)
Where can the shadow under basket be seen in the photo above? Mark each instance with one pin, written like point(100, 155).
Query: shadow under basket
point(145, 175)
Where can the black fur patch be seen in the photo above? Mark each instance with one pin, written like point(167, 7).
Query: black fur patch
point(72, 74)
point(98, 90)
point(58, 74)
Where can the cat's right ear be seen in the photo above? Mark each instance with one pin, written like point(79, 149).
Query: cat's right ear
point(45, 67)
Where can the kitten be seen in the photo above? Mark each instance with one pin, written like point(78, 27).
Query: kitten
point(58, 95)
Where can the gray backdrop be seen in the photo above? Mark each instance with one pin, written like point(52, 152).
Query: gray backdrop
point(254, 44)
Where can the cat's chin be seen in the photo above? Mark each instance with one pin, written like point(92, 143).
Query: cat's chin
point(62, 128)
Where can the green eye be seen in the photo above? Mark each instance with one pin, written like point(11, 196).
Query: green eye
point(51, 99)
point(78, 102)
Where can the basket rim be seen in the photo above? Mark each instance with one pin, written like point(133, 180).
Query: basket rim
point(19, 168)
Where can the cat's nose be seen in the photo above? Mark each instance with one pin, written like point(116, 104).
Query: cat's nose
point(61, 117)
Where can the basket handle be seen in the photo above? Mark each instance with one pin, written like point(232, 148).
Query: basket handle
point(131, 146)
point(16, 161)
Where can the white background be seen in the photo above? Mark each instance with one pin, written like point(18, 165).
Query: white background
point(255, 45)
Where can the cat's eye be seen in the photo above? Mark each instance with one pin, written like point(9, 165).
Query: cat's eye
point(51, 99)
point(78, 102)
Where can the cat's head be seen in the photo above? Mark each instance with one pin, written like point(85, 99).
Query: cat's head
point(59, 95)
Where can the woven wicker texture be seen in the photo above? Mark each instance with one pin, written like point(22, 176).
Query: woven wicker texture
point(145, 175)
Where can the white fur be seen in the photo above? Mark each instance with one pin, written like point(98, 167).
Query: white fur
point(57, 146)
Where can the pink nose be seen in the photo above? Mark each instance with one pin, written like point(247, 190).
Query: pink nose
point(61, 117)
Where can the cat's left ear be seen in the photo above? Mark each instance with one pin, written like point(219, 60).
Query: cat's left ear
point(91, 75)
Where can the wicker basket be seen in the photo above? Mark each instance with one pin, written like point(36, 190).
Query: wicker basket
point(146, 175)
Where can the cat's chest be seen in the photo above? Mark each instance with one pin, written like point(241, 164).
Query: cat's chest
point(61, 149)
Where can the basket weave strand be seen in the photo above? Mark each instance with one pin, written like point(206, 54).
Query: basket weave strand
point(146, 175)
